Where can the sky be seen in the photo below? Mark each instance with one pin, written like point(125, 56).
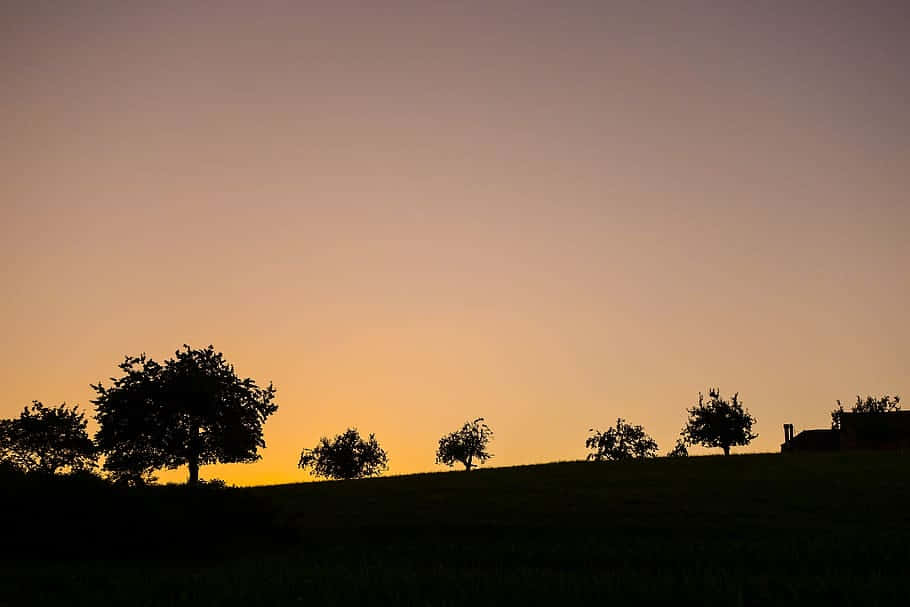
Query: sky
point(411, 214)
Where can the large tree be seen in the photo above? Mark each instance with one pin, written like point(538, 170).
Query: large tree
point(345, 457)
point(466, 445)
point(47, 440)
point(718, 422)
point(192, 410)
point(621, 442)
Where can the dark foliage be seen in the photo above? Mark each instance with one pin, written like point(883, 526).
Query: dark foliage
point(213, 483)
point(47, 440)
point(871, 404)
point(718, 423)
point(621, 442)
point(465, 446)
point(680, 450)
point(9, 470)
point(192, 410)
point(345, 457)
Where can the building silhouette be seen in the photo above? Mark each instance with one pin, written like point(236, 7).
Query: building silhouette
point(858, 431)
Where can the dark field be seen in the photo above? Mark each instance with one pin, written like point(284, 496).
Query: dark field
point(743, 530)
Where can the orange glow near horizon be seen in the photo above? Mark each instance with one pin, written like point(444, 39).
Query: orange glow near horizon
point(408, 217)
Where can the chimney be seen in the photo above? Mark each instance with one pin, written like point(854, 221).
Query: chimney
point(788, 432)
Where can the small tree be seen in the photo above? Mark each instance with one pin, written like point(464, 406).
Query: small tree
point(680, 450)
point(345, 457)
point(883, 404)
point(621, 442)
point(47, 440)
point(192, 410)
point(465, 446)
point(718, 423)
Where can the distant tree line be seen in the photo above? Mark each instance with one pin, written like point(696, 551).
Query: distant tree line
point(715, 423)
point(348, 456)
point(193, 410)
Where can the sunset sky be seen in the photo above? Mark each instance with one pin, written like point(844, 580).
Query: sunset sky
point(411, 214)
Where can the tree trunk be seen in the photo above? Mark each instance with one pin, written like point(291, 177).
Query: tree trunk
point(194, 470)
point(726, 449)
point(193, 458)
point(467, 466)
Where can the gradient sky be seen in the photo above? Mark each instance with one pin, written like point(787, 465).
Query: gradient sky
point(411, 214)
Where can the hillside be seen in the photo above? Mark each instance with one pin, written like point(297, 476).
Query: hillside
point(752, 530)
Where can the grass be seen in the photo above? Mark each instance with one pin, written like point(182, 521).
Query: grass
point(742, 530)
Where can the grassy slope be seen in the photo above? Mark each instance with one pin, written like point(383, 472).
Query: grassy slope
point(753, 530)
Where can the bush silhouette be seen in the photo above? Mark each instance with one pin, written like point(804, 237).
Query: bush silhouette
point(345, 457)
point(621, 442)
point(718, 423)
point(192, 410)
point(47, 440)
point(465, 445)
point(679, 450)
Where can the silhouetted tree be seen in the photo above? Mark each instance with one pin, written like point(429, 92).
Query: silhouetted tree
point(883, 404)
point(345, 457)
point(47, 440)
point(718, 423)
point(621, 442)
point(680, 450)
point(193, 410)
point(465, 446)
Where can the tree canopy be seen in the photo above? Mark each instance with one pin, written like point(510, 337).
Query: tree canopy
point(718, 423)
point(47, 440)
point(466, 445)
point(345, 457)
point(623, 441)
point(192, 410)
point(871, 404)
